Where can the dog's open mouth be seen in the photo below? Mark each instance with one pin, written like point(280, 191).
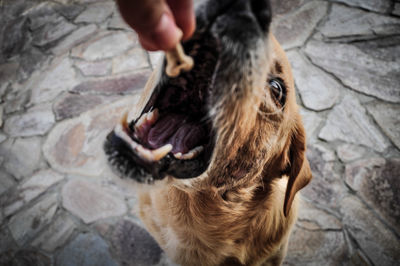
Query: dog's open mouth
point(173, 135)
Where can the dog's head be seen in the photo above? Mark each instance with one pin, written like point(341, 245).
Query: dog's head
point(230, 120)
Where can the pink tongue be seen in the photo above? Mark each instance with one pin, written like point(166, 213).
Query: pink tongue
point(174, 129)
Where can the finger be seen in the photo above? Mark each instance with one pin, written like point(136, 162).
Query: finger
point(153, 21)
point(184, 16)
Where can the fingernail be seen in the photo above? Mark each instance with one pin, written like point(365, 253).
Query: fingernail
point(166, 35)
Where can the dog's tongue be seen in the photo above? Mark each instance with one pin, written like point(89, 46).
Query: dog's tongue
point(176, 130)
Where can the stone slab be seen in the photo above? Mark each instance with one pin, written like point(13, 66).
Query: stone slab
point(312, 218)
point(353, 22)
point(360, 71)
point(293, 29)
point(348, 122)
point(96, 68)
point(378, 243)
point(85, 250)
point(103, 46)
point(75, 38)
point(376, 181)
point(388, 118)
point(121, 84)
point(96, 13)
point(70, 105)
point(6, 182)
point(348, 152)
point(56, 235)
point(134, 245)
point(374, 5)
point(318, 90)
point(25, 225)
point(76, 146)
point(60, 77)
point(311, 122)
point(21, 156)
point(132, 60)
point(36, 121)
point(90, 201)
point(51, 33)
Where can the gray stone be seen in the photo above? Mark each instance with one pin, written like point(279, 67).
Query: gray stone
point(396, 9)
point(348, 152)
point(155, 58)
point(7, 243)
point(312, 218)
point(85, 250)
point(31, 189)
point(118, 23)
point(385, 48)
point(91, 202)
point(311, 121)
point(316, 247)
point(59, 78)
point(388, 118)
point(56, 234)
point(1, 114)
point(358, 70)
point(374, 5)
point(294, 29)
point(379, 244)
point(132, 60)
point(31, 60)
point(134, 245)
point(96, 13)
point(78, 36)
point(284, 7)
point(29, 257)
point(51, 33)
point(326, 187)
point(352, 22)
point(96, 68)
point(75, 145)
point(103, 46)
point(25, 225)
point(2, 137)
point(42, 14)
point(36, 121)
point(6, 182)
point(71, 105)
point(16, 38)
point(69, 11)
point(16, 100)
point(21, 156)
point(348, 122)
point(7, 74)
point(127, 83)
point(318, 90)
point(376, 181)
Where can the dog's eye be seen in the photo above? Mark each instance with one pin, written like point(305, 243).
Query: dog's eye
point(278, 90)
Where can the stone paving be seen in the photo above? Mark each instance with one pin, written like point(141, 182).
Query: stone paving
point(68, 70)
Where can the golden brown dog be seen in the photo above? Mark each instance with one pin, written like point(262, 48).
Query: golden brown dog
point(222, 147)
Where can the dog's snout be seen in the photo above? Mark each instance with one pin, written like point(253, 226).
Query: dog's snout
point(262, 12)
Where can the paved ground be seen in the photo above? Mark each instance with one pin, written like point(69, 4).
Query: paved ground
point(69, 68)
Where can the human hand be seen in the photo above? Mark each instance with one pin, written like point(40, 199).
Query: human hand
point(159, 23)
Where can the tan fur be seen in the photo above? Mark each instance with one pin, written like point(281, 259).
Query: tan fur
point(234, 214)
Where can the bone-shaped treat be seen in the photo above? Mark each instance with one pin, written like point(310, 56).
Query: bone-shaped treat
point(177, 60)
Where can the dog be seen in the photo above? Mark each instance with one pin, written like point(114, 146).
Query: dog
point(220, 150)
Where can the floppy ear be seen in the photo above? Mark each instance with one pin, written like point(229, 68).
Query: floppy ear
point(299, 171)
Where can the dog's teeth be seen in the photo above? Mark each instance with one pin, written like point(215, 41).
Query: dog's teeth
point(192, 153)
point(152, 116)
point(147, 154)
point(124, 121)
point(161, 152)
point(178, 155)
point(140, 122)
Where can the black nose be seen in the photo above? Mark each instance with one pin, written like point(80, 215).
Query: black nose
point(262, 11)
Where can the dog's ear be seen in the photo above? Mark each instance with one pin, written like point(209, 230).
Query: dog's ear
point(299, 171)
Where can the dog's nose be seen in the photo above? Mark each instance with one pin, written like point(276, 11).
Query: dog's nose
point(262, 11)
